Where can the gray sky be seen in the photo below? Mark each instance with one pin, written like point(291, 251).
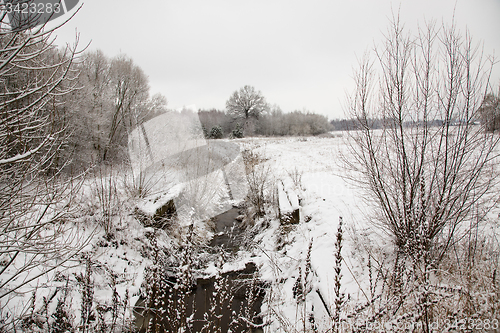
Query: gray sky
point(299, 54)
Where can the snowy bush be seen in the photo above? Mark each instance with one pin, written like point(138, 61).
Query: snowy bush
point(216, 132)
point(238, 131)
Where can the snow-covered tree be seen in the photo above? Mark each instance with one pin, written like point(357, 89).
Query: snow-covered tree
point(490, 112)
point(246, 103)
point(35, 235)
point(114, 99)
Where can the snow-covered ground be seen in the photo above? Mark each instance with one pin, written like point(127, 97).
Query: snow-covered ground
point(311, 167)
point(327, 195)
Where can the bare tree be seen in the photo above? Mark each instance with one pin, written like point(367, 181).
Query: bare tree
point(95, 102)
point(246, 103)
point(114, 99)
point(429, 183)
point(130, 95)
point(490, 112)
point(35, 201)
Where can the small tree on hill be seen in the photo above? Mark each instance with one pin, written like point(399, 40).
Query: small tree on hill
point(238, 131)
point(216, 132)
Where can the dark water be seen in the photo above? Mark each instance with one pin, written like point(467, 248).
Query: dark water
point(225, 302)
point(227, 230)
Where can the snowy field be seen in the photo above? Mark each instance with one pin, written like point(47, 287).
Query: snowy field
point(326, 196)
point(312, 168)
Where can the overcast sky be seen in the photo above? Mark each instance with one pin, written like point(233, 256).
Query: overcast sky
point(299, 54)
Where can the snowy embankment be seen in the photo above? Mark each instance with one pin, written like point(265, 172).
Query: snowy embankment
point(311, 168)
point(326, 195)
point(108, 270)
point(306, 166)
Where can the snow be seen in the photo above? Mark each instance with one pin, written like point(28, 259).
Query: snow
point(25, 155)
point(204, 178)
point(152, 203)
point(325, 196)
point(279, 251)
point(162, 137)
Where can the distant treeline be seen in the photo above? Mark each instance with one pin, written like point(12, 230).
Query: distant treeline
point(354, 124)
point(488, 115)
point(219, 124)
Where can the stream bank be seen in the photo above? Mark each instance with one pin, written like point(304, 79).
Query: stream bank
point(230, 301)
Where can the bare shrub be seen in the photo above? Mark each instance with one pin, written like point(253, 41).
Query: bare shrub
point(462, 292)
point(301, 289)
point(166, 300)
point(138, 186)
point(296, 177)
point(339, 296)
point(258, 178)
point(428, 167)
point(105, 191)
point(425, 180)
point(471, 268)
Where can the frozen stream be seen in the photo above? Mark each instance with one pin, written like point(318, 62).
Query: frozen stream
point(232, 308)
